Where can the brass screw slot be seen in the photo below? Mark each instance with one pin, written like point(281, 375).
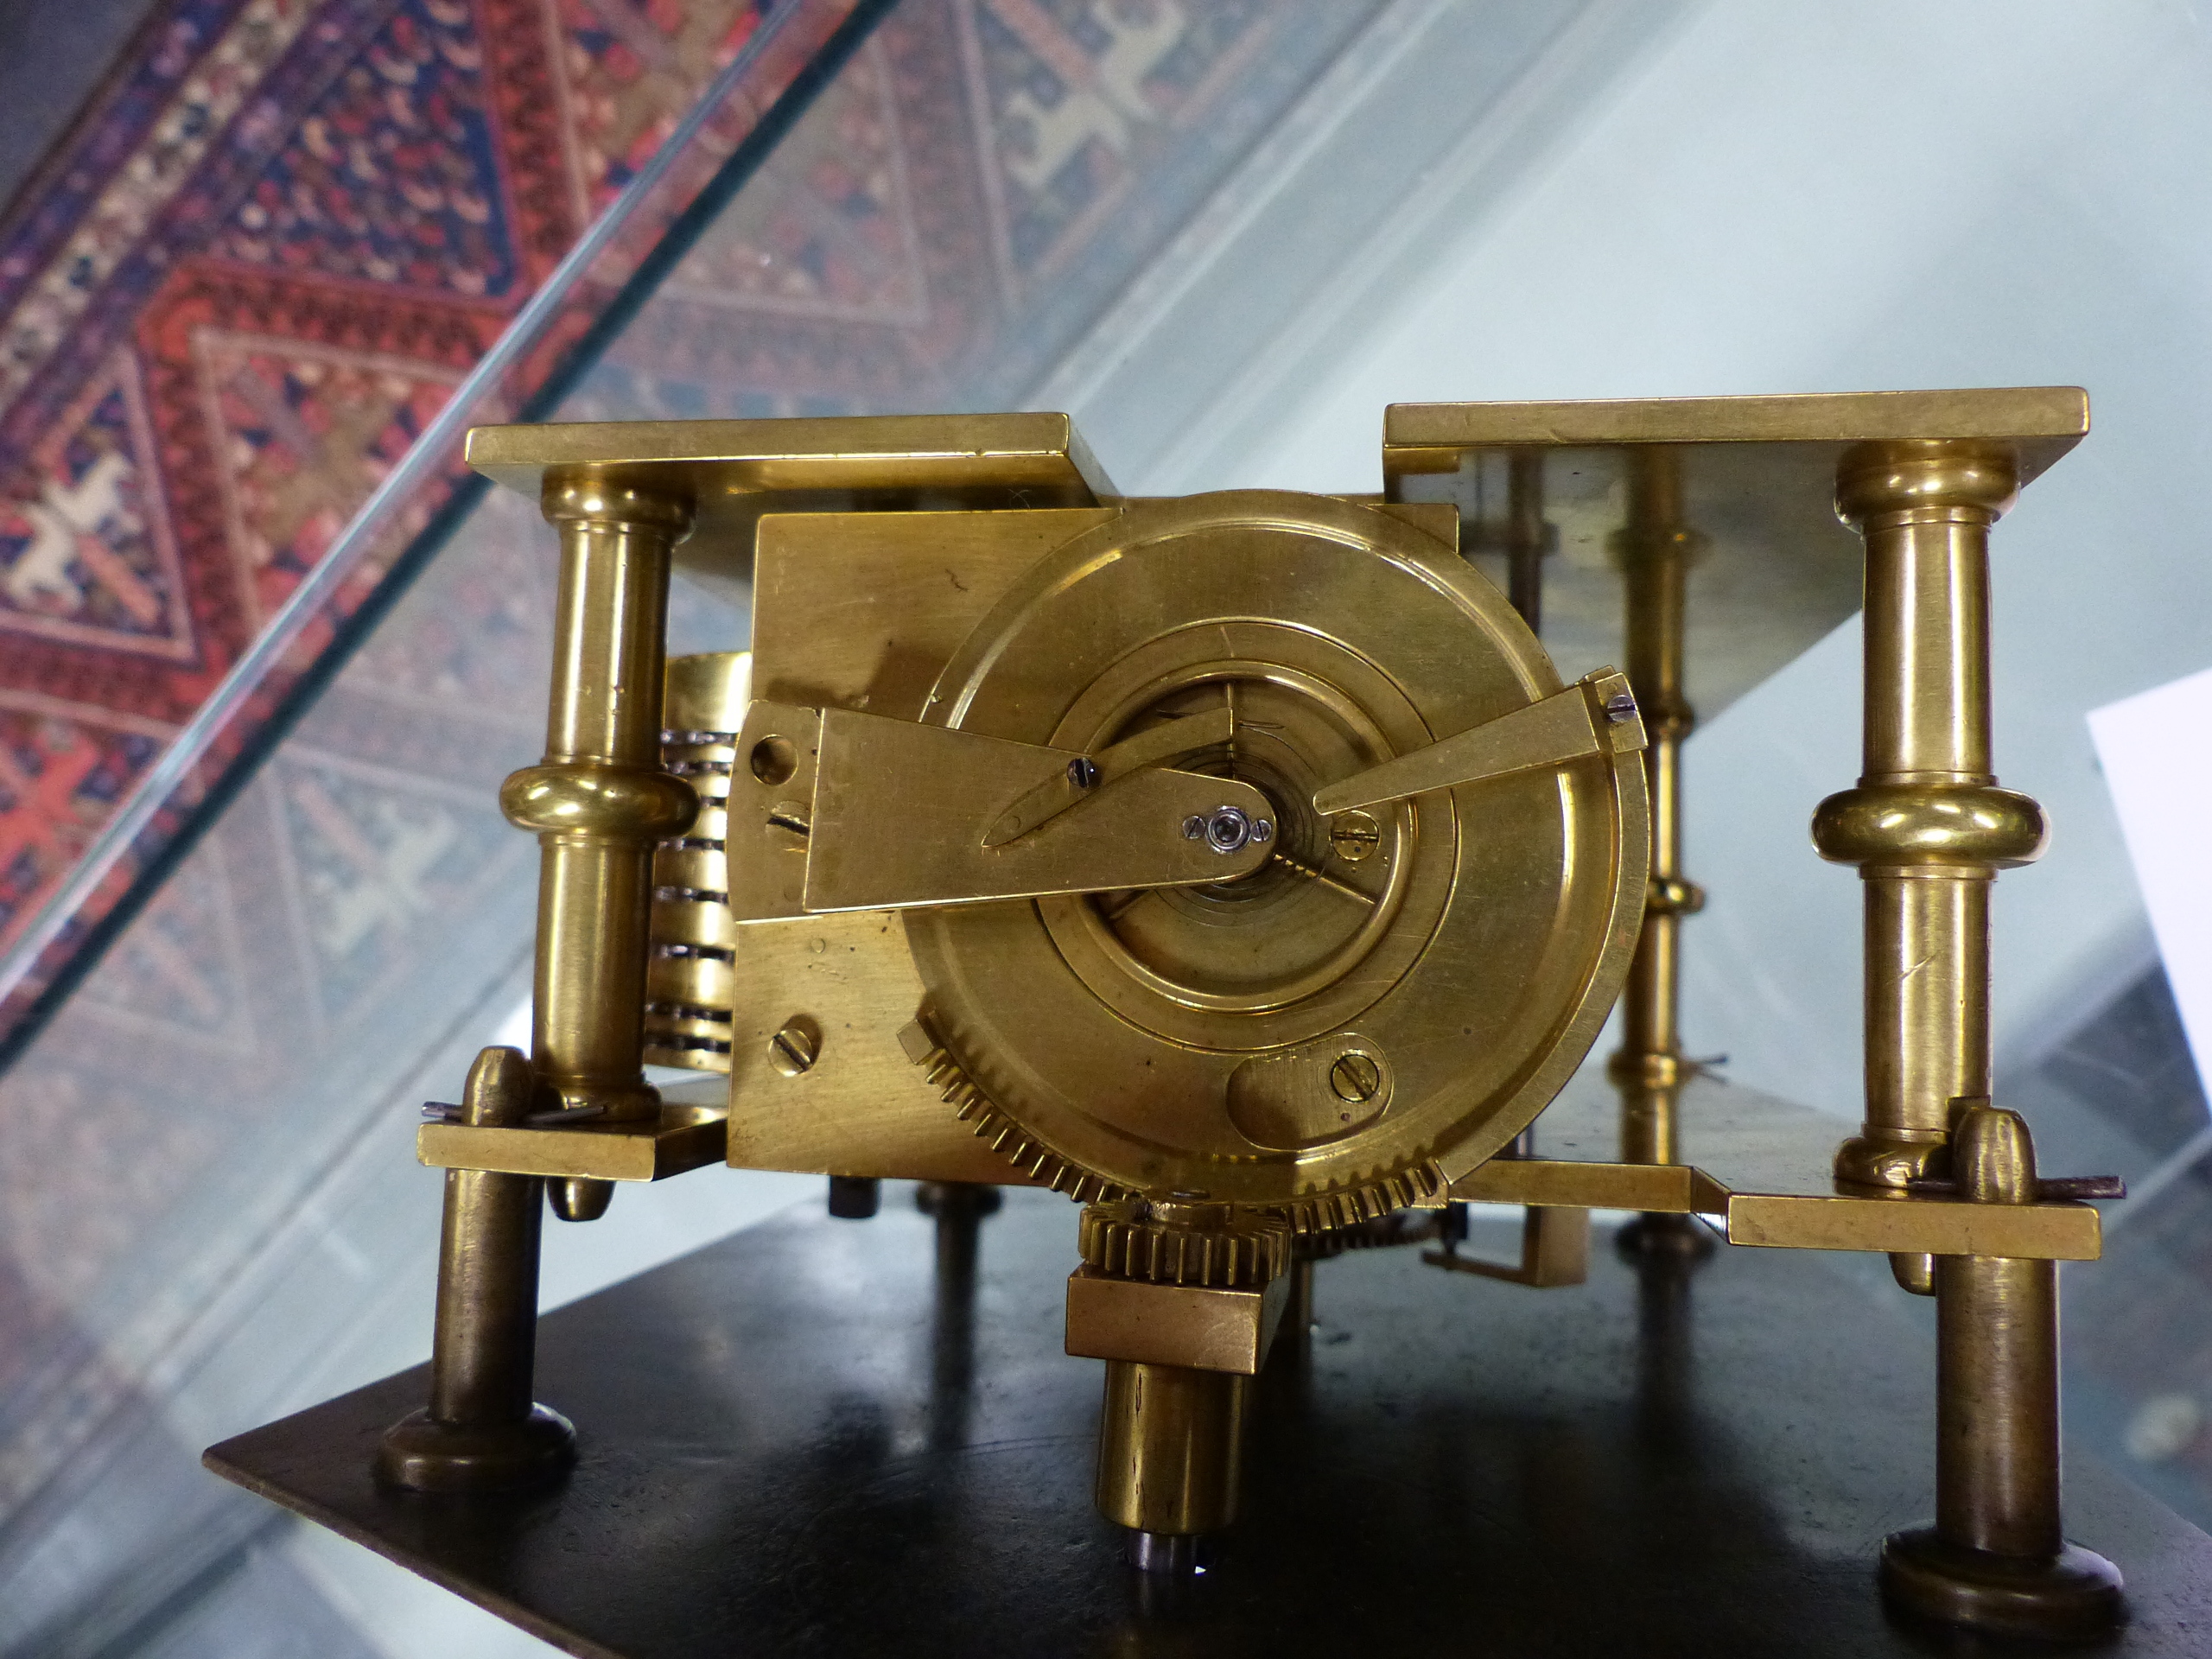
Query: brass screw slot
point(1354, 1077)
point(1354, 836)
point(774, 760)
point(792, 1050)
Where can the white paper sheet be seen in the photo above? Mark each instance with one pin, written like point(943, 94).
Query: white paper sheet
point(2156, 749)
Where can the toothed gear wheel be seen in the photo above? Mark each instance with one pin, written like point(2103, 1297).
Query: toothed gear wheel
point(1389, 999)
point(1177, 1243)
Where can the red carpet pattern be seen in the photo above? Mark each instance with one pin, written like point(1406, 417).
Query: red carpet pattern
point(235, 295)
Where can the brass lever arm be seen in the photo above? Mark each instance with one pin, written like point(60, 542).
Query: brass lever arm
point(1082, 779)
point(1596, 715)
point(832, 809)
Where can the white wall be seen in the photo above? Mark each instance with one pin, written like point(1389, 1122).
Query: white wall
point(1808, 197)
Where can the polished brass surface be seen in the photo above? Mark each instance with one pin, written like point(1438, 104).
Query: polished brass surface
point(685, 1135)
point(1181, 1297)
point(1595, 717)
point(1171, 1447)
point(735, 471)
point(599, 801)
point(481, 1431)
point(866, 1106)
point(1173, 1243)
point(1204, 1327)
point(1925, 826)
point(1242, 867)
point(1085, 780)
point(1111, 1030)
point(833, 810)
point(1997, 1557)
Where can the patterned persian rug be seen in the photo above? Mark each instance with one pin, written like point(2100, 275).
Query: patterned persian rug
point(262, 258)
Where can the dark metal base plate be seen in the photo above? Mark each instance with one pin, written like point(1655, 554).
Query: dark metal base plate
point(801, 1442)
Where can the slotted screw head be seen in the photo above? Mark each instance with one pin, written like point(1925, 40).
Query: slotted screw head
point(1354, 836)
point(1354, 1077)
point(792, 1051)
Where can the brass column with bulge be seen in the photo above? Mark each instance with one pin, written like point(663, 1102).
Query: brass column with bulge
point(481, 1430)
point(1654, 551)
point(598, 803)
point(1929, 829)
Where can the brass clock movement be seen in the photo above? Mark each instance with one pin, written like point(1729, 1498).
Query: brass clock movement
point(1242, 866)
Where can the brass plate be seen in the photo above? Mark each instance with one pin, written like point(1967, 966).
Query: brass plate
point(1475, 954)
point(896, 814)
point(861, 610)
point(1206, 1327)
point(1762, 1167)
point(1773, 569)
point(733, 472)
point(687, 1135)
point(863, 1108)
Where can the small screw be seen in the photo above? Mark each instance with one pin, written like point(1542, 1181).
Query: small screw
point(439, 1111)
point(1263, 831)
point(1354, 1077)
point(1621, 706)
point(792, 1051)
point(1194, 828)
point(1083, 772)
point(1353, 836)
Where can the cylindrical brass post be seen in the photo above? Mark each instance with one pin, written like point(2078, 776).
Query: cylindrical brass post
point(1527, 536)
point(1926, 824)
point(599, 801)
point(481, 1430)
point(1654, 549)
point(1997, 1556)
point(1170, 1448)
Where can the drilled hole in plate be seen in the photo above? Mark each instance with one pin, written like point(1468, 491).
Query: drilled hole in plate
point(774, 760)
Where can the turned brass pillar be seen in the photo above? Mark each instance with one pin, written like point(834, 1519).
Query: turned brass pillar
point(1929, 830)
point(598, 802)
point(481, 1430)
point(1654, 551)
point(1927, 825)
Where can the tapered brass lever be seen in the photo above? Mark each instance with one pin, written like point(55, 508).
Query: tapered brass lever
point(1082, 779)
point(1595, 716)
point(832, 809)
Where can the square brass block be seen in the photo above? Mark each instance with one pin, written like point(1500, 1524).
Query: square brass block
point(1204, 1327)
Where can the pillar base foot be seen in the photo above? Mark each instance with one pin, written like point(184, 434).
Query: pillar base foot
point(1681, 1237)
point(424, 1455)
point(2073, 1596)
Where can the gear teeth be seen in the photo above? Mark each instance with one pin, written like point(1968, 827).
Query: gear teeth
point(1332, 1211)
point(1230, 1248)
point(1000, 1132)
point(1323, 1212)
